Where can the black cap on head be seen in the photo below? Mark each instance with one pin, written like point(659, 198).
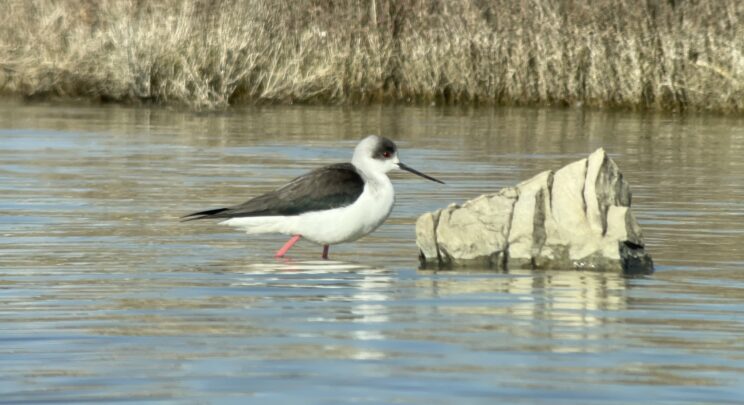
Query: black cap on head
point(384, 146)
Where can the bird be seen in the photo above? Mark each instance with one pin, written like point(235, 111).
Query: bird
point(333, 204)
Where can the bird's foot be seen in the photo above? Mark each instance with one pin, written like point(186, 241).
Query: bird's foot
point(325, 252)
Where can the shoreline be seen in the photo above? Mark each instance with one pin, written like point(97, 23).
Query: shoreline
point(627, 55)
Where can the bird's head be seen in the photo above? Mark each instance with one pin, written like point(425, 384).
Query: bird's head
point(379, 155)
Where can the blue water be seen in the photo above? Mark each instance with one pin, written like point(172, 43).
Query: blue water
point(106, 297)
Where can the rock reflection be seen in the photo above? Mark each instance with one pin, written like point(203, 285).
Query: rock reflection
point(548, 310)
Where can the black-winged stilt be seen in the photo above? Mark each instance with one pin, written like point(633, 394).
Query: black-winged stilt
point(330, 205)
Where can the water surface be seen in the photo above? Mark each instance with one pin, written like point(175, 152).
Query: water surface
point(105, 296)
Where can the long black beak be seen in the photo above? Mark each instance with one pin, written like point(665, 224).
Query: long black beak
point(418, 173)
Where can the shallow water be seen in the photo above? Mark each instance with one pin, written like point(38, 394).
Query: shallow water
point(105, 296)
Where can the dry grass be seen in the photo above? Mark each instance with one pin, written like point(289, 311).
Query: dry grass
point(657, 54)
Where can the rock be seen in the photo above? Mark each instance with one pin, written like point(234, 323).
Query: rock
point(576, 218)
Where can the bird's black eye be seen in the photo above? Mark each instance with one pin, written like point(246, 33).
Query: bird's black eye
point(386, 154)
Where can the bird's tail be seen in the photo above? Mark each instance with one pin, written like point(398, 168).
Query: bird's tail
point(203, 214)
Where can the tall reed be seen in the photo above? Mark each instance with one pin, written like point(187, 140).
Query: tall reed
point(640, 54)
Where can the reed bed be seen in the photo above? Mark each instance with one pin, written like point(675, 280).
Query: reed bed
point(637, 54)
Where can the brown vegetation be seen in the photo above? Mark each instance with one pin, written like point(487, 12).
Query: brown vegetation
point(658, 54)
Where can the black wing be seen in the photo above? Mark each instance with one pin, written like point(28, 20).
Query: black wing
point(329, 187)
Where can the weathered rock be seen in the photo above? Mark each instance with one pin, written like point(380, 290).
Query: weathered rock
point(578, 217)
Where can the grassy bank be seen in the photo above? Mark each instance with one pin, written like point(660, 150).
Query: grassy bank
point(657, 54)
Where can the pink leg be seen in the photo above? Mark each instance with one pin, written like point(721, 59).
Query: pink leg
point(287, 245)
point(325, 252)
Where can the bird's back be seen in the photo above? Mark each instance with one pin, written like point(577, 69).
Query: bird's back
point(326, 188)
